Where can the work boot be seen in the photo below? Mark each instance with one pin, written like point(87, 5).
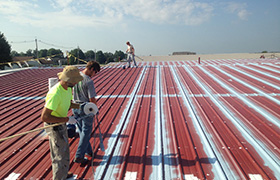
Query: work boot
point(83, 161)
point(69, 174)
point(89, 154)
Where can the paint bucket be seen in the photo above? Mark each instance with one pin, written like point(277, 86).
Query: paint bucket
point(52, 82)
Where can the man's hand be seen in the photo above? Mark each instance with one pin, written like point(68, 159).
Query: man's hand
point(82, 106)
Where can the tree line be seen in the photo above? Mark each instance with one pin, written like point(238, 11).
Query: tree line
point(6, 54)
point(99, 56)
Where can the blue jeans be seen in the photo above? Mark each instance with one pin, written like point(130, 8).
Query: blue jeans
point(84, 125)
point(131, 57)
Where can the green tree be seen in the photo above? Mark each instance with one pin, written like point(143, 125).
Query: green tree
point(79, 54)
point(5, 51)
point(109, 57)
point(72, 60)
point(100, 57)
point(119, 55)
point(57, 52)
point(43, 53)
point(90, 55)
point(22, 54)
point(14, 54)
point(29, 52)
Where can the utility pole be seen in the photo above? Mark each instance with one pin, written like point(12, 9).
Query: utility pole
point(95, 54)
point(78, 52)
point(36, 47)
point(78, 55)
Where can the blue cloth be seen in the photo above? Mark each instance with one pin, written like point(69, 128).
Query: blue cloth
point(84, 126)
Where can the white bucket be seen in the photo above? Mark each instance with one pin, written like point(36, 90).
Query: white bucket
point(52, 82)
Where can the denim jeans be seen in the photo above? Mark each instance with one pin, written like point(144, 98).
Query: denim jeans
point(131, 57)
point(84, 126)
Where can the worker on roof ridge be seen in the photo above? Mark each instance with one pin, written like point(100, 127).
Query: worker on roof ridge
point(130, 53)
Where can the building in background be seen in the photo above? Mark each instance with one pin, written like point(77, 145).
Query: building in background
point(183, 53)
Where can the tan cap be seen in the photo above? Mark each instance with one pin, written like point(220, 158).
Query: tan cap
point(70, 74)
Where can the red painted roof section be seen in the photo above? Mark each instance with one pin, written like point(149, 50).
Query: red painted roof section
point(163, 120)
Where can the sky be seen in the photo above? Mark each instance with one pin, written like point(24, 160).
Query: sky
point(153, 27)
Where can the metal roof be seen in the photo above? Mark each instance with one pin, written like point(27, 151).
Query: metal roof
point(163, 120)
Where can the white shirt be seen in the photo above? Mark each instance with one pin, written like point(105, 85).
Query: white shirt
point(130, 48)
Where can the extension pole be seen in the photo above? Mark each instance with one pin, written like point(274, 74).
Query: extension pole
point(27, 132)
point(139, 58)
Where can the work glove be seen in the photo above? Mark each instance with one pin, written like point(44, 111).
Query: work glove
point(72, 120)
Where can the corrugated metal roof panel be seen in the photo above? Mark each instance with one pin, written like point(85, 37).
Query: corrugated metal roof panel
point(163, 120)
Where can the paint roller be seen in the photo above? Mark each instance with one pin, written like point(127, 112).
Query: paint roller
point(91, 109)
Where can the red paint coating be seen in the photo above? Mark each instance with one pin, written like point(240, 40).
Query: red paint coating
point(29, 154)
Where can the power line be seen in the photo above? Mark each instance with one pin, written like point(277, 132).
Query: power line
point(49, 44)
point(46, 43)
point(22, 41)
point(55, 45)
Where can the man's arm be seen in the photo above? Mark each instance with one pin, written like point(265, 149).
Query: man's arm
point(74, 105)
point(93, 100)
point(48, 118)
point(133, 50)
